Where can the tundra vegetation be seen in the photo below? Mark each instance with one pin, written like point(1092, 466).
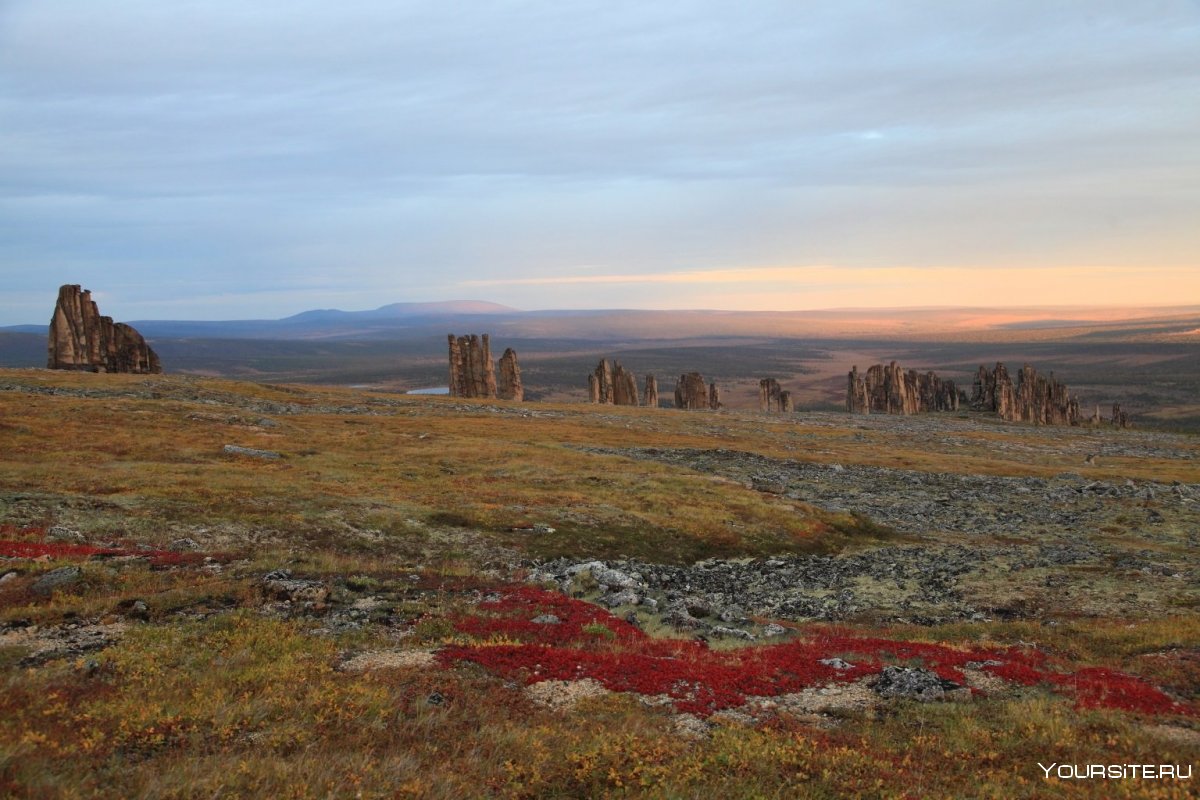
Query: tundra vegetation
point(375, 597)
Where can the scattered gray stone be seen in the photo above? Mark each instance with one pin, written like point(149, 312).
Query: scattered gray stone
point(546, 619)
point(139, 610)
point(56, 579)
point(250, 452)
point(280, 585)
point(913, 683)
point(837, 664)
point(8, 576)
point(627, 597)
point(183, 545)
point(771, 630)
point(612, 578)
point(731, 633)
point(59, 533)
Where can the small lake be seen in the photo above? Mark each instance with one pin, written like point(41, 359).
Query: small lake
point(430, 390)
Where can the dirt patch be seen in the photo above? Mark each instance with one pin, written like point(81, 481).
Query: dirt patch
point(389, 659)
point(564, 695)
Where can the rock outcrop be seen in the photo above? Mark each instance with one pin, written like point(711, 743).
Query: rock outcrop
point(472, 373)
point(714, 396)
point(650, 398)
point(613, 385)
point(600, 383)
point(772, 398)
point(510, 386)
point(82, 339)
point(624, 388)
point(768, 394)
point(1034, 398)
point(891, 389)
point(1120, 419)
point(691, 392)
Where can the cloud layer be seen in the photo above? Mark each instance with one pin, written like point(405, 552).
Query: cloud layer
point(220, 159)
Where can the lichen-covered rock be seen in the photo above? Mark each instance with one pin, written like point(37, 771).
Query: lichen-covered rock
point(56, 579)
point(280, 585)
point(913, 683)
point(81, 339)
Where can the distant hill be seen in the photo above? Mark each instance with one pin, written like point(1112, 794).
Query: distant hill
point(19, 349)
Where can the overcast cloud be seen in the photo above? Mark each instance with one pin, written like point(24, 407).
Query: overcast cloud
point(214, 159)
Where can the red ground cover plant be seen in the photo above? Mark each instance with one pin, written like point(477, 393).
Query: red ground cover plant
point(588, 642)
point(33, 545)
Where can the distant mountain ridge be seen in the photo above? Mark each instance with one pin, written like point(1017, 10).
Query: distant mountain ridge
point(402, 310)
point(433, 320)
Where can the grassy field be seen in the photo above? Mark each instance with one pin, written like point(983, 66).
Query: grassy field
point(410, 521)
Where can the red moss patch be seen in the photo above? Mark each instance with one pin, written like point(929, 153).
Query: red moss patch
point(12, 548)
point(588, 642)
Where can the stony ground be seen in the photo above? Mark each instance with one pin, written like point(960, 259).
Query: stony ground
point(981, 546)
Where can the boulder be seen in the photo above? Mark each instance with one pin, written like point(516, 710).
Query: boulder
point(913, 683)
point(56, 579)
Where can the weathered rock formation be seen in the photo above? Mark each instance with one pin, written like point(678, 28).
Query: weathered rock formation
point(613, 385)
point(600, 383)
point(624, 388)
point(785, 402)
point(510, 387)
point(691, 392)
point(1034, 398)
point(1120, 419)
point(891, 389)
point(651, 395)
point(472, 373)
point(714, 396)
point(768, 394)
point(81, 339)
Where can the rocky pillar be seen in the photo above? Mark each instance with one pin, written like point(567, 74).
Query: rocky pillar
point(624, 386)
point(857, 400)
point(651, 398)
point(785, 402)
point(691, 392)
point(768, 395)
point(472, 373)
point(714, 396)
point(604, 382)
point(510, 387)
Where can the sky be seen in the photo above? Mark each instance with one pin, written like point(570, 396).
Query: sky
point(205, 159)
